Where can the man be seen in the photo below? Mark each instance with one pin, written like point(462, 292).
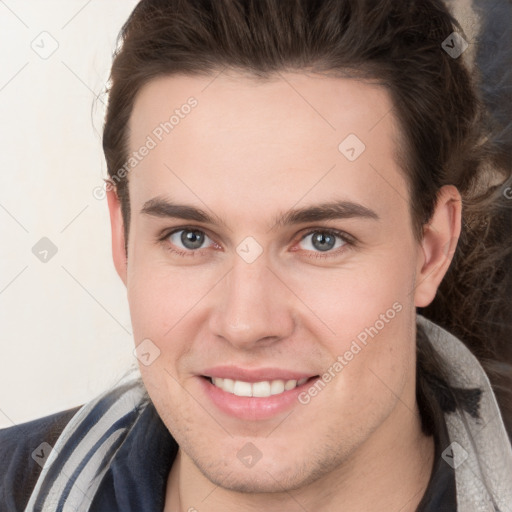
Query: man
point(266, 233)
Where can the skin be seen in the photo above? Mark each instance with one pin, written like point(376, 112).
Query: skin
point(248, 153)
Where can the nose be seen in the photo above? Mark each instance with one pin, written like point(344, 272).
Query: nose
point(253, 307)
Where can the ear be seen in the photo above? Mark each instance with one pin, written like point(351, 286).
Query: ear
point(440, 239)
point(117, 227)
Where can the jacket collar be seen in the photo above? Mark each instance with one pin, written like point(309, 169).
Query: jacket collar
point(480, 450)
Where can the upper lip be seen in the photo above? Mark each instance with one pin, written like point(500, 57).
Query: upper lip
point(254, 374)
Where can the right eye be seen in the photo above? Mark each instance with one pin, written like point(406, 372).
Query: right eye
point(186, 240)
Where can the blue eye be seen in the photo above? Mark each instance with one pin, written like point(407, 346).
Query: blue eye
point(190, 238)
point(323, 242)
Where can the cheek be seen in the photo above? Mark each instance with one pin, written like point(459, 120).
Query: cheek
point(149, 309)
point(378, 358)
point(367, 320)
point(371, 379)
point(348, 299)
point(160, 296)
point(165, 309)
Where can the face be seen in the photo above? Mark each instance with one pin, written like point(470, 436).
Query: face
point(294, 259)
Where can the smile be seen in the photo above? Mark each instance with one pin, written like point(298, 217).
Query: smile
point(253, 394)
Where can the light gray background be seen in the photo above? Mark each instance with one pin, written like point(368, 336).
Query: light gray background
point(64, 323)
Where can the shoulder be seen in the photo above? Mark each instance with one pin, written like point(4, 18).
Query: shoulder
point(23, 450)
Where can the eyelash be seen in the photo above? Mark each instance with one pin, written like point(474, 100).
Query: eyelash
point(349, 241)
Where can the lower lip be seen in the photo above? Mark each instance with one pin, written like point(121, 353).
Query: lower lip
point(253, 408)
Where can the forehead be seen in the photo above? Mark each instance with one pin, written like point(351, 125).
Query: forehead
point(250, 142)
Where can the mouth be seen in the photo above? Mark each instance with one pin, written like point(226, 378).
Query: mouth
point(261, 389)
point(253, 394)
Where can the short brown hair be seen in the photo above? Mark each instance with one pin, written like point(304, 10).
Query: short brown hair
point(445, 128)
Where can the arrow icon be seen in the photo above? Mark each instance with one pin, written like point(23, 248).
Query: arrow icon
point(249, 249)
point(146, 352)
point(454, 455)
point(454, 45)
point(44, 44)
point(351, 147)
point(44, 250)
point(41, 453)
point(249, 455)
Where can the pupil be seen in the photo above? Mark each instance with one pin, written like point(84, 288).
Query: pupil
point(192, 239)
point(321, 239)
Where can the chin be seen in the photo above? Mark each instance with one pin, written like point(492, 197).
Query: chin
point(254, 481)
point(261, 478)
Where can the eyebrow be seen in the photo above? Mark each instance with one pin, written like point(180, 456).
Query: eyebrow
point(160, 207)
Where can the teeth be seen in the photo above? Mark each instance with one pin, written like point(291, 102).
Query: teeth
point(242, 388)
point(228, 385)
point(261, 388)
point(257, 389)
point(276, 387)
point(290, 384)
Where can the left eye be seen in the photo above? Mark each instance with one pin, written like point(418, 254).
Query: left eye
point(323, 240)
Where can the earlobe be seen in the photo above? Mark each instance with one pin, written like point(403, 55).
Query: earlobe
point(117, 228)
point(438, 246)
